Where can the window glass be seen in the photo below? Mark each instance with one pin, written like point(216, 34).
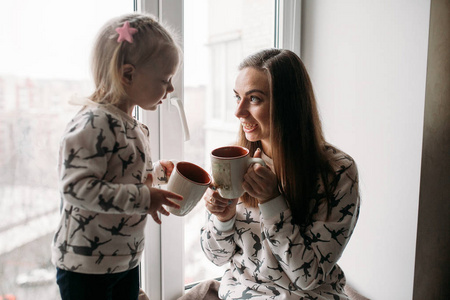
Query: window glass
point(45, 48)
point(218, 34)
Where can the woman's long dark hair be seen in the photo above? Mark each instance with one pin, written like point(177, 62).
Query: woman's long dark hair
point(298, 145)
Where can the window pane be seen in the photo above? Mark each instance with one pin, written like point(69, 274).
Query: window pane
point(218, 35)
point(45, 49)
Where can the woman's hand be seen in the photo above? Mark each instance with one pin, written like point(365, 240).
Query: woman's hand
point(223, 209)
point(260, 182)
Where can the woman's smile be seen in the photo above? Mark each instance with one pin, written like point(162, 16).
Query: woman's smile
point(248, 127)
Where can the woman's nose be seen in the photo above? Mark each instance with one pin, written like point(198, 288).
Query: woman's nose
point(241, 109)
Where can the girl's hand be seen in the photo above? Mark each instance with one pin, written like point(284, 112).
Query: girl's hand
point(158, 198)
point(168, 167)
point(223, 209)
point(260, 182)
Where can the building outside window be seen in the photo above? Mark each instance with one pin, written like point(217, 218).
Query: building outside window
point(45, 50)
point(48, 53)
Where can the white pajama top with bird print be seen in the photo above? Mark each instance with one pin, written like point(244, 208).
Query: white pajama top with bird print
point(103, 162)
point(270, 258)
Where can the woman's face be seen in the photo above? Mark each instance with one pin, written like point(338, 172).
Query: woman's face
point(252, 93)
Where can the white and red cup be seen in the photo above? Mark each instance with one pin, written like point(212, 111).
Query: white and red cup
point(229, 164)
point(190, 181)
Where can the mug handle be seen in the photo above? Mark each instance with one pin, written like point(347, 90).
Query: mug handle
point(255, 160)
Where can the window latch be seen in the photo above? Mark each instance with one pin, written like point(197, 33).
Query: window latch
point(180, 107)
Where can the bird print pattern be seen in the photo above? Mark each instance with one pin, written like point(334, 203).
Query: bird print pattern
point(269, 257)
point(103, 162)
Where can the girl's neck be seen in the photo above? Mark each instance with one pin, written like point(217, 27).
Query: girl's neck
point(124, 106)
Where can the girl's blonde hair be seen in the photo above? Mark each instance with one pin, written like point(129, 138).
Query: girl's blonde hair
point(109, 55)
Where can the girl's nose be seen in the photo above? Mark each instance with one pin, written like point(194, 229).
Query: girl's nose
point(170, 88)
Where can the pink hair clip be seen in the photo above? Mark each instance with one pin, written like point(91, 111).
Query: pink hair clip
point(126, 33)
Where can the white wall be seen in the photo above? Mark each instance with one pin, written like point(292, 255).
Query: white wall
point(367, 61)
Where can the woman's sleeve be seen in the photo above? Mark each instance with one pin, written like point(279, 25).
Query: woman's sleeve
point(217, 239)
point(86, 179)
point(309, 257)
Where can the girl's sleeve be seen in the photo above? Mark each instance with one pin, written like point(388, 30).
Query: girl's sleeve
point(217, 240)
point(159, 174)
point(85, 176)
point(309, 257)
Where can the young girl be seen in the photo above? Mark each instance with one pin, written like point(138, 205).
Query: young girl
point(105, 166)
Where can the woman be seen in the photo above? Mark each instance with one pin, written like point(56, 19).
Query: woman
point(283, 238)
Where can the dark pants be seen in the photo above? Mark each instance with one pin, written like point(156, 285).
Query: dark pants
point(76, 286)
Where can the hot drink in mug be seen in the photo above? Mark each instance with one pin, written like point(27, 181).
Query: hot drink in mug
point(229, 164)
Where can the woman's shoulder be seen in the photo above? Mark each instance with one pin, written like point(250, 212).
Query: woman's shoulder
point(339, 160)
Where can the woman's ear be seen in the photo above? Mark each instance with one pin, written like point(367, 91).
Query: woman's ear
point(128, 71)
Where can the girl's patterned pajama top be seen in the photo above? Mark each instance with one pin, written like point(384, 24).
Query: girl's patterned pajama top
point(103, 162)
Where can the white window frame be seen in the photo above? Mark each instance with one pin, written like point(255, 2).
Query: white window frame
point(288, 25)
point(162, 268)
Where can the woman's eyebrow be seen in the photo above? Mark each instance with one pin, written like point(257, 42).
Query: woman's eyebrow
point(251, 91)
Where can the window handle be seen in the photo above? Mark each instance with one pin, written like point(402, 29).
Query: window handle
point(180, 107)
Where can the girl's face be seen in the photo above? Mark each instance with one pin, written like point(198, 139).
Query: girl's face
point(252, 93)
point(148, 85)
